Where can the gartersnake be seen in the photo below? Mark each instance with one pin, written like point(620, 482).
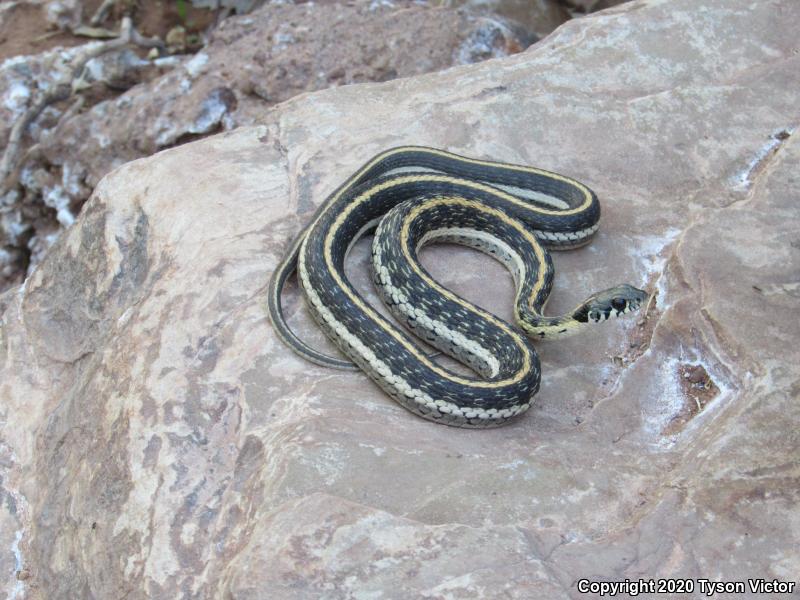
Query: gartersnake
point(430, 195)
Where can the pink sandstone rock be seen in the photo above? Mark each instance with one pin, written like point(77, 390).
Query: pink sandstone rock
point(158, 441)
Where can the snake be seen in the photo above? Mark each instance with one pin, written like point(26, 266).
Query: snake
point(412, 196)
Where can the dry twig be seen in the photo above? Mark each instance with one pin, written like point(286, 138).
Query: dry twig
point(102, 12)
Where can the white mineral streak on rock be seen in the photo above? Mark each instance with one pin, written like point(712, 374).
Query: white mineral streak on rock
point(657, 415)
point(19, 587)
point(164, 440)
point(742, 180)
point(651, 254)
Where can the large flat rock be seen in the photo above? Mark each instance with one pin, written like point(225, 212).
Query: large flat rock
point(158, 440)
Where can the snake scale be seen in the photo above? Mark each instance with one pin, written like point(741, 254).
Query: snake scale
point(413, 196)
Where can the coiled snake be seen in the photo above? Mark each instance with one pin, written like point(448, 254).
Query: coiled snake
point(412, 196)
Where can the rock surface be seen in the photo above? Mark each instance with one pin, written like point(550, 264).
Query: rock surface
point(257, 61)
point(539, 17)
point(582, 7)
point(250, 64)
point(159, 442)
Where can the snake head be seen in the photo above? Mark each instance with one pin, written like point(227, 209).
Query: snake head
point(614, 301)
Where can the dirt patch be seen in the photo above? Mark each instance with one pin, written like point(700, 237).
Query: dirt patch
point(26, 29)
point(154, 18)
point(698, 390)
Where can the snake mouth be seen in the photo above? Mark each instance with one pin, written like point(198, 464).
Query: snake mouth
point(613, 302)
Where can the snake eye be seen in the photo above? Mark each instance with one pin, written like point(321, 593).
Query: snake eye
point(618, 304)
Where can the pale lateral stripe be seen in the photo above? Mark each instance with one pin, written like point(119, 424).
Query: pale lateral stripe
point(571, 236)
point(533, 195)
point(431, 322)
point(385, 325)
point(412, 169)
point(521, 192)
point(396, 382)
point(484, 242)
